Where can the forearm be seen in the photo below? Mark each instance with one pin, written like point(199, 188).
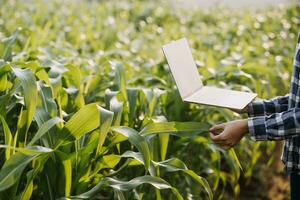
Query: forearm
point(267, 107)
point(278, 126)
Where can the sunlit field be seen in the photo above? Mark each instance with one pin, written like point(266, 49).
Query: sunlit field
point(89, 110)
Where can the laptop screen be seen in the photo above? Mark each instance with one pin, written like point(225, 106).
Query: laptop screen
point(183, 67)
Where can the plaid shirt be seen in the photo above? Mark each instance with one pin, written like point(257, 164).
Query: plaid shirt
point(279, 119)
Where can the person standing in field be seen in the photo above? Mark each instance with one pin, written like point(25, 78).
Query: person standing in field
point(275, 119)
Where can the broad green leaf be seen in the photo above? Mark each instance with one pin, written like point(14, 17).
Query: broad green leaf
point(4, 99)
point(3, 82)
point(85, 153)
point(201, 181)
point(182, 129)
point(152, 99)
point(138, 160)
point(175, 164)
point(31, 65)
point(50, 137)
point(21, 135)
point(28, 84)
point(236, 159)
point(82, 122)
point(109, 161)
point(68, 174)
point(128, 185)
point(132, 94)
point(136, 140)
point(136, 155)
point(120, 77)
point(7, 137)
point(109, 94)
point(30, 150)
point(38, 166)
point(106, 118)
point(8, 43)
point(26, 195)
point(43, 76)
point(46, 98)
point(116, 139)
point(72, 75)
point(163, 141)
point(117, 107)
point(119, 194)
point(44, 129)
point(106, 162)
point(13, 168)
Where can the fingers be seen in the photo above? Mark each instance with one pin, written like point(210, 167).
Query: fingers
point(215, 129)
point(217, 138)
point(223, 143)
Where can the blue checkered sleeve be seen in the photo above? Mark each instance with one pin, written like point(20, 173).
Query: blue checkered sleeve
point(266, 107)
point(278, 126)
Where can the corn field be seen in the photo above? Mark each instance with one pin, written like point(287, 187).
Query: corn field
point(89, 110)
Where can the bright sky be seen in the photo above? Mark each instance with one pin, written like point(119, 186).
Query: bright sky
point(232, 3)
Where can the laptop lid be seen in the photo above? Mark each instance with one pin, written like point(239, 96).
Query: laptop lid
point(183, 67)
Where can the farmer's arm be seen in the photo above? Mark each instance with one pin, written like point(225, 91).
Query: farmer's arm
point(278, 126)
point(267, 107)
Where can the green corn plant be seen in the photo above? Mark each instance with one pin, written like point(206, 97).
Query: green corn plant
point(88, 108)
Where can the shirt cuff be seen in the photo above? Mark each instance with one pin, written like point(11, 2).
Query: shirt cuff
point(256, 108)
point(257, 128)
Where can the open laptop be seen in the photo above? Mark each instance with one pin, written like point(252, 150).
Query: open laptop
point(189, 84)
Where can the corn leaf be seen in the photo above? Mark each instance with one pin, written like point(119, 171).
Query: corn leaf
point(29, 150)
point(136, 140)
point(174, 164)
point(106, 118)
point(26, 195)
point(13, 168)
point(7, 137)
point(163, 141)
point(128, 185)
point(28, 84)
point(82, 122)
point(236, 159)
point(182, 129)
point(67, 165)
point(44, 129)
point(8, 43)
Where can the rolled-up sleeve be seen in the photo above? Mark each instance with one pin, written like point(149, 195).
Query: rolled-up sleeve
point(278, 126)
point(267, 107)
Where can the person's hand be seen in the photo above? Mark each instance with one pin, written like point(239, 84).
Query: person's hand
point(240, 111)
point(228, 134)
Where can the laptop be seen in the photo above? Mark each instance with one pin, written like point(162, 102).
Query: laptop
point(189, 84)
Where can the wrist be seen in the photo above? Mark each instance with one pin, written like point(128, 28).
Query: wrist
point(244, 126)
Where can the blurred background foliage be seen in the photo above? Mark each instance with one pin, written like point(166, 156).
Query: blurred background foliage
point(59, 58)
